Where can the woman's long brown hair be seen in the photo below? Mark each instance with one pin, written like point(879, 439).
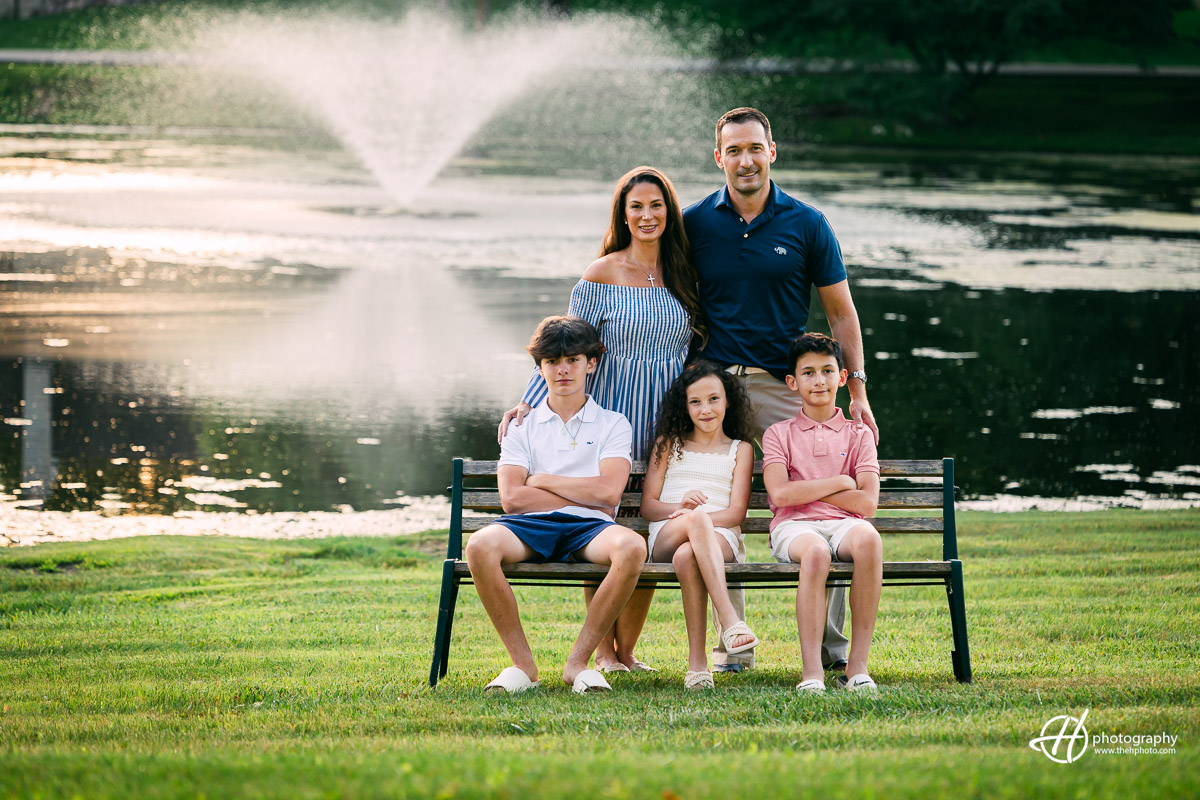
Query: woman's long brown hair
point(679, 274)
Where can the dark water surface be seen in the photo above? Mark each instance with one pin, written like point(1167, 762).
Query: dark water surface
point(1053, 394)
point(239, 339)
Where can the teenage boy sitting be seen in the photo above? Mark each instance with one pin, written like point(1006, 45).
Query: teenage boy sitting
point(560, 477)
point(822, 477)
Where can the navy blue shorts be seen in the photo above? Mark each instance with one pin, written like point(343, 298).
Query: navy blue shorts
point(554, 536)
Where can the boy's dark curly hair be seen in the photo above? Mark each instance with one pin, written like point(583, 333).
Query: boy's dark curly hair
point(674, 424)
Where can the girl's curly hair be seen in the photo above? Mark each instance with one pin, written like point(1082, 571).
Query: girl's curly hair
point(674, 423)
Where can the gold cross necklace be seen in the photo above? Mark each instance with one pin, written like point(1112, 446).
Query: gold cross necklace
point(567, 430)
point(649, 273)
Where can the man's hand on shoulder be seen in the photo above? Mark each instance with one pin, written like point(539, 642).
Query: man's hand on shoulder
point(860, 411)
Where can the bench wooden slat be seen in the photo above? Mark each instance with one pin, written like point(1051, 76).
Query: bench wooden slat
point(888, 468)
point(489, 500)
point(756, 524)
point(901, 467)
point(734, 573)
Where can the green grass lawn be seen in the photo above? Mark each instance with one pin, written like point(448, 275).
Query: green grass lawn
point(189, 667)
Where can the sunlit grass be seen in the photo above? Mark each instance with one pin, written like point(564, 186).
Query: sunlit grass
point(164, 667)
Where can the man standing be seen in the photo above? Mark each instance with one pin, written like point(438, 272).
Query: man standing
point(758, 254)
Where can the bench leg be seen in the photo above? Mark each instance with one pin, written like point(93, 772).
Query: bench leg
point(454, 584)
point(961, 655)
point(441, 642)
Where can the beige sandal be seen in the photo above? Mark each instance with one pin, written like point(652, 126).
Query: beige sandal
point(735, 630)
point(698, 679)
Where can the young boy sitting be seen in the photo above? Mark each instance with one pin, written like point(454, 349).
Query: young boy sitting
point(561, 476)
point(822, 477)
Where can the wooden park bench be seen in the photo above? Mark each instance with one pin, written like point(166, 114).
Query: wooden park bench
point(907, 485)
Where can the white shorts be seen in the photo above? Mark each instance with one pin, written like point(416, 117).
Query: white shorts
point(731, 535)
point(833, 531)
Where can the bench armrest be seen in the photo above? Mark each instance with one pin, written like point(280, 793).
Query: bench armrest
point(454, 540)
point(949, 532)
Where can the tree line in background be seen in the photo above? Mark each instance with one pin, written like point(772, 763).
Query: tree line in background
point(913, 65)
point(946, 48)
point(937, 32)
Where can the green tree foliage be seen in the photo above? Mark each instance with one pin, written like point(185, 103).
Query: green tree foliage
point(972, 36)
point(1144, 24)
point(953, 45)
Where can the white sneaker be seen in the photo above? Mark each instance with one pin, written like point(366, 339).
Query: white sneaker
point(859, 683)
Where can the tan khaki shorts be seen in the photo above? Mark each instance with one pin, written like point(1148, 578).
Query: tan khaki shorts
point(833, 531)
point(772, 400)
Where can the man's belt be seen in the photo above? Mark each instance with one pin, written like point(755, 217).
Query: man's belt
point(741, 370)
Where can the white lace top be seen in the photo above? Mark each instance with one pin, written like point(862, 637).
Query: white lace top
point(711, 473)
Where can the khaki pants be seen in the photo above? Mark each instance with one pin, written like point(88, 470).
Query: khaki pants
point(774, 402)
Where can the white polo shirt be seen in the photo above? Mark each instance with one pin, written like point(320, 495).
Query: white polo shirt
point(542, 445)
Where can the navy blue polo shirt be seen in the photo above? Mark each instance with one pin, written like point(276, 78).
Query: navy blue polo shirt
point(756, 280)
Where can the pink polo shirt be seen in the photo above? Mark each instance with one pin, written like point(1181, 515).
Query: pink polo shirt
point(812, 450)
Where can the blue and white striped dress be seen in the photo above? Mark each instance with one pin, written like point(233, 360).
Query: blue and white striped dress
point(646, 332)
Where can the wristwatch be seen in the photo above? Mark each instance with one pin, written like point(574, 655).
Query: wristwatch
point(861, 374)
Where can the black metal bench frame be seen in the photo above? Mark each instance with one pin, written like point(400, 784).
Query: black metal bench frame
point(484, 497)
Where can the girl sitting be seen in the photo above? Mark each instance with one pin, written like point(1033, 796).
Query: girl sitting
point(696, 493)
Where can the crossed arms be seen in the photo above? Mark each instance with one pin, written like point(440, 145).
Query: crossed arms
point(858, 496)
point(522, 493)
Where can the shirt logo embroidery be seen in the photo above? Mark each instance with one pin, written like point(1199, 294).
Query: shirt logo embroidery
point(781, 250)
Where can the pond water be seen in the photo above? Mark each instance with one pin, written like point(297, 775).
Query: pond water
point(223, 323)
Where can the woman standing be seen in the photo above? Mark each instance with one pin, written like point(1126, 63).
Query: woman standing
point(641, 294)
